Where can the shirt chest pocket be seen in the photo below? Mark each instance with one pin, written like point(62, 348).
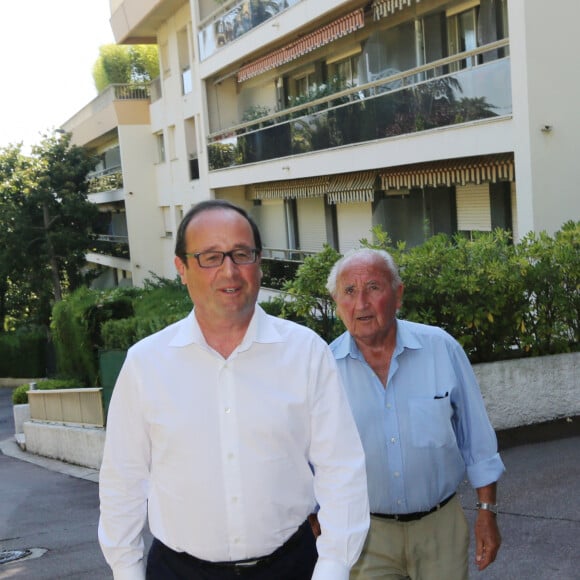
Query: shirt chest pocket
point(430, 422)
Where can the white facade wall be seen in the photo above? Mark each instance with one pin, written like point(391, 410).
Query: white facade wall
point(144, 220)
point(545, 91)
point(354, 222)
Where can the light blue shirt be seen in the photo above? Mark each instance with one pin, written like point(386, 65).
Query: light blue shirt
point(427, 428)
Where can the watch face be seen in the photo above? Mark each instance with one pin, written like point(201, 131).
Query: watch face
point(487, 506)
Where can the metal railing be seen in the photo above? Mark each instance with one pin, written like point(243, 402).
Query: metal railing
point(141, 91)
point(107, 180)
point(233, 20)
point(426, 97)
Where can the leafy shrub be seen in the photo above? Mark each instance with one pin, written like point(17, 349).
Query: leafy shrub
point(310, 302)
point(497, 299)
point(23, 353)
point(20, 393)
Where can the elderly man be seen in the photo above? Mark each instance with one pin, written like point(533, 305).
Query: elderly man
point(227, 429)
point(422, 423)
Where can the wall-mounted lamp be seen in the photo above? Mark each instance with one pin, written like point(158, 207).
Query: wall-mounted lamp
point(546, 128)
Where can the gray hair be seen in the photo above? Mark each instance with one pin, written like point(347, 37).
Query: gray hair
point(365, 253)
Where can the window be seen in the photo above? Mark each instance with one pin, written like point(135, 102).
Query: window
point(160, 148)
point(343, 69)
point(184, 61)
point(462, 35)
point(475, 24)
point(167, 222)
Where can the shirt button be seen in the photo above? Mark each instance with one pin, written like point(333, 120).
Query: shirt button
point(393, 440)
point(388, 405)
point(230, 455)
point(399, 502)
point(234, 499)
point(227, 410)
point(396, 474)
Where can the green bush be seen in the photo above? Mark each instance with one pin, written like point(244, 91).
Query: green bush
point(20, 393)
point(23, 353)
point(499, 300)
point(76, 328)
point(91, 320)
point(310, 302)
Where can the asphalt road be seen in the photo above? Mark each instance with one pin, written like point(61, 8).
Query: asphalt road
point(56, 513)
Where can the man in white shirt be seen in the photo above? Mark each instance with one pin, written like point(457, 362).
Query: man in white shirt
point(227, 429)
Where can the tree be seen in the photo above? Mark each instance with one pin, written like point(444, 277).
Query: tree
point(120, 64)
point(46, 223)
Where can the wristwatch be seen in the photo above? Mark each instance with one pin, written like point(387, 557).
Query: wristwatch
point(482, 505)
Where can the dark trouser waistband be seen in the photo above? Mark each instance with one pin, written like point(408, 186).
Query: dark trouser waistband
point(415, 515)
point(251, 562)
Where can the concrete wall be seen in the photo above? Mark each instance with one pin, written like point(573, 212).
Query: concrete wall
point(532, 390)
point(77, 445)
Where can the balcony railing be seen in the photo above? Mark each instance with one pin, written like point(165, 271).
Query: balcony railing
point(423, 98)
point(111, 245)
point(234, 20)
point(107, 180)
point(112, 93)
point(280, 265)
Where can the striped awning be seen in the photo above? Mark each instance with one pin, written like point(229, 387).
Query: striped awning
point(352, 187)
point(344, 188)
point(384, 8)
point(484, 169)
point(305, 44)
point(290, 189)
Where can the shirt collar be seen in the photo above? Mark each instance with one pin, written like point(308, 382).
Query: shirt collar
point(260, 329)
point(345, 345)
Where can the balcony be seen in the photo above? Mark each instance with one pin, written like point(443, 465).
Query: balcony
point(420, 99)
point(232, 21)
point(107, 180)
point(112, 245)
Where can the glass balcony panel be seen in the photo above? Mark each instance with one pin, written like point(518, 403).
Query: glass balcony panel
point(401, 106)
point(227, 26)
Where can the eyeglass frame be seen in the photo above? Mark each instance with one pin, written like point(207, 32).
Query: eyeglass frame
point(254, 251)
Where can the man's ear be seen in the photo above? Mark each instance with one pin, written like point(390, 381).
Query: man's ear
point(180, 267)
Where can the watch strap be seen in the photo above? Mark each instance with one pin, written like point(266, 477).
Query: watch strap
point(483, 505)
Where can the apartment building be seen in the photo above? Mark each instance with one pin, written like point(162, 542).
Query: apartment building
point(326, 118)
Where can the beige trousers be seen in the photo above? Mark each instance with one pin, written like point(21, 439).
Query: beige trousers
point(432, 548)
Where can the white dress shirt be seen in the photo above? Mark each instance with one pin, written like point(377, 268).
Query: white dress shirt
point(227, 457)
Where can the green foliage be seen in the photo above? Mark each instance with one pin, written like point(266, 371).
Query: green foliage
point(497, 299)
point(552, 287)
point(90, 320)
point(310, 301)
point(123, 64)
point(20, 393)
point(45, 228)
point(471, 288)
point(72, 338)
point(23, 353)
point(221, 155)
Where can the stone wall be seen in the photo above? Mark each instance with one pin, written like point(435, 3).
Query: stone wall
point(530, 390)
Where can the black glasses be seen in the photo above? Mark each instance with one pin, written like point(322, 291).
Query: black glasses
point(214, 259)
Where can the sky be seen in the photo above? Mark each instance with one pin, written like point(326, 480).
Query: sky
point(47, 53)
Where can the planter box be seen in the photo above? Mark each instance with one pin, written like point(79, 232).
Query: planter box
point(82, 407)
